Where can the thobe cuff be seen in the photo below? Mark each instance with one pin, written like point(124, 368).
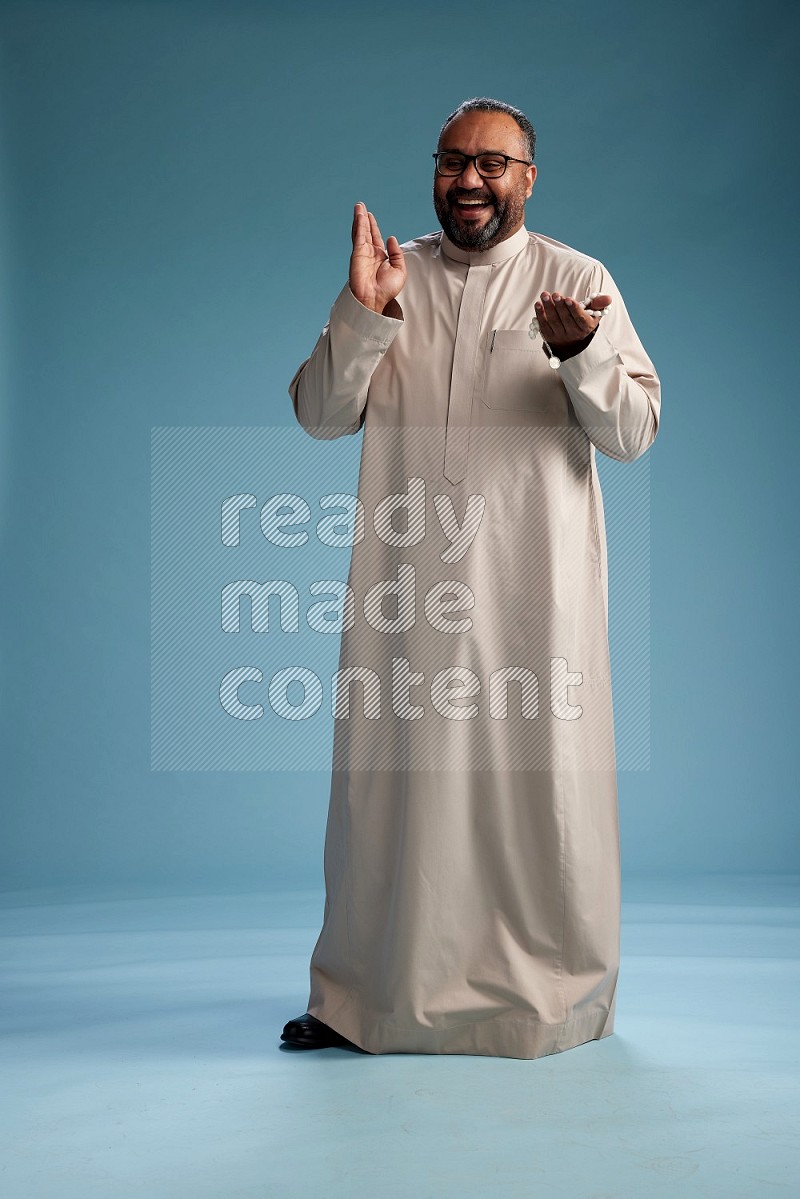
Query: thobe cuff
point(598, 352)
point(329, 390)
point(617, 411)
point(372, 326)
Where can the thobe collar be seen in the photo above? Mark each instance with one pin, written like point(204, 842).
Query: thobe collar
point(500, 253)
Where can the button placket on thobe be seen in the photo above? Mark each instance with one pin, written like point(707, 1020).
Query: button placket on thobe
point(465, 375)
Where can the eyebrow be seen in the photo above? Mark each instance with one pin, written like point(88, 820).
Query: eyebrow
point(455, 150)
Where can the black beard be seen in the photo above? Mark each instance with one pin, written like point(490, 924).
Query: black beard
point(481, 237)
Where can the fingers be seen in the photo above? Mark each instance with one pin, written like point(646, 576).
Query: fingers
point(550, 316)
point(361, 231)
point(553, 327)
point(597, 303)
point(367, 234)
point(396, 256)
point(563, 319)
point(375, 233)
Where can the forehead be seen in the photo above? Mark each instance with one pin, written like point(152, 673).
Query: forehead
point(475, 131)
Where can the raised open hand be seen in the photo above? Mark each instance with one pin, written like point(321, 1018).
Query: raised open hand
point(564, 322)
point(377, 271)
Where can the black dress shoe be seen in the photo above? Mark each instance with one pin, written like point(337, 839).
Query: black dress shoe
point(310, 1033)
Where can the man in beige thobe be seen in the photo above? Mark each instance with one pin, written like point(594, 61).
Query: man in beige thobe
point(472, 848)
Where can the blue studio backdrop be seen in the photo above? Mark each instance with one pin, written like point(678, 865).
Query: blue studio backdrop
point(178, 180)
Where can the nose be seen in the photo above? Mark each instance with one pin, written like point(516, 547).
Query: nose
point(469, 177)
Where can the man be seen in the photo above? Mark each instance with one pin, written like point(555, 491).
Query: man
point(472, 849)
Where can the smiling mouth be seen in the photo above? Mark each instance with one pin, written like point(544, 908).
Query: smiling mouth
point(470, 205)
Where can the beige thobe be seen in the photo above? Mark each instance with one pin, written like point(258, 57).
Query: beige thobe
point(471, 859)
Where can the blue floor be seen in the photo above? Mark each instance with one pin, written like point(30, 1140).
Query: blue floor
point(140, 1057)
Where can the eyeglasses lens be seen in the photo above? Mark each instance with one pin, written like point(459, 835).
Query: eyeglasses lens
point(488, 165)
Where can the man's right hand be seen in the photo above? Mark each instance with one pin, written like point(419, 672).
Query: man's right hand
point(377, 271)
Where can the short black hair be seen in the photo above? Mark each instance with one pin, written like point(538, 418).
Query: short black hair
point(486, 104)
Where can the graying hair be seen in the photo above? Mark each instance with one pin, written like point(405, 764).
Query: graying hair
point(486, 104)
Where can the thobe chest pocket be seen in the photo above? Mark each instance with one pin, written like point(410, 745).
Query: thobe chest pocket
point(515, 369)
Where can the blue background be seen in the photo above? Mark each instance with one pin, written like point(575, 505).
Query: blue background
point(177, 191)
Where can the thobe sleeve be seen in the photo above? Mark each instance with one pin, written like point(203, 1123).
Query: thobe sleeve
point(612, 384)
point(329, 390)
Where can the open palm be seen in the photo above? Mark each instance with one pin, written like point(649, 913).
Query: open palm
point(377, 271)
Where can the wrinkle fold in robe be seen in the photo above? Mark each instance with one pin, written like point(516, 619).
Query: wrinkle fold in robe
point(471, 862)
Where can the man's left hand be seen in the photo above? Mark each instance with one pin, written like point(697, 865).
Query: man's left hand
point(565, 324)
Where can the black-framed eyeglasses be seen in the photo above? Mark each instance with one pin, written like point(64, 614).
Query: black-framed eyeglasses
point(488, 166)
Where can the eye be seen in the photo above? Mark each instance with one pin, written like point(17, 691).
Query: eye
point(452, 162)
point(492, 165)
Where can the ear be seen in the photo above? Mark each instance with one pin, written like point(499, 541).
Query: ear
point(531, 172)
